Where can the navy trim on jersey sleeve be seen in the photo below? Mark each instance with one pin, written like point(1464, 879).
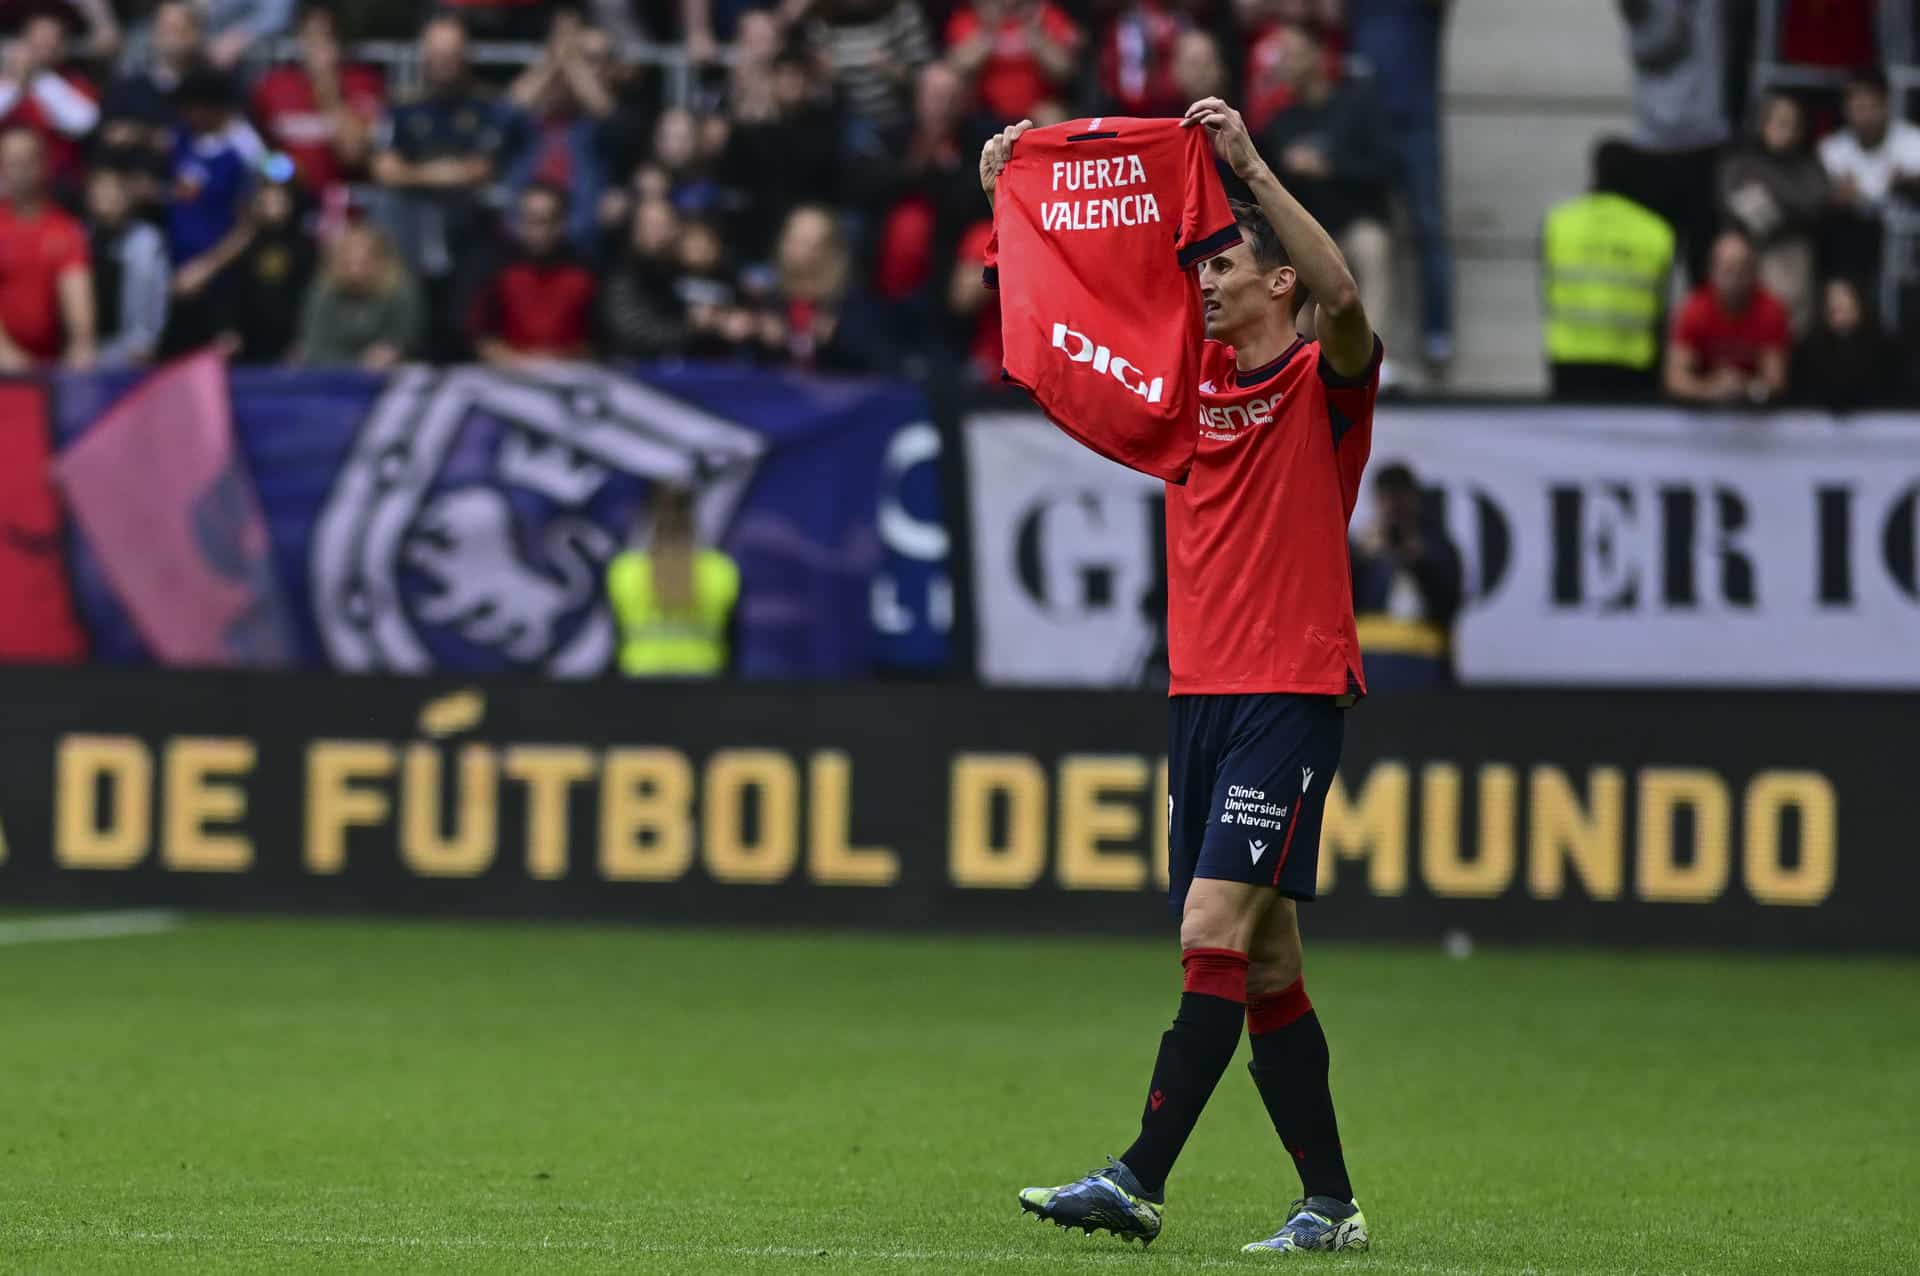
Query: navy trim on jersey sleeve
point(1360, 379)
point(1336, 412)
point(990, 276)
point(1218, 242)
point(1339, 420)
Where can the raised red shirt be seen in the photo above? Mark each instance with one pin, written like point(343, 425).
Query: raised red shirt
point(34, 252)
point(1097, 226)
point(1716, 337)
point(1259, 591)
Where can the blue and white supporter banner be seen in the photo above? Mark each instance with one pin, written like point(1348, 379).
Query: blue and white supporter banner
point(461, 519)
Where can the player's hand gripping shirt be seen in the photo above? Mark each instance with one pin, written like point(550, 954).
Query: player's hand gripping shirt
point(1259, 587)
point(1097, 226)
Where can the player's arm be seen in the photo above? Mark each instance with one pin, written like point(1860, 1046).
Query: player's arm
point(1346, 335)
point(993, 156)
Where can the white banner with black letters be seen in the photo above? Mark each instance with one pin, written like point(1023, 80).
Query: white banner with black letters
point(1601, 546)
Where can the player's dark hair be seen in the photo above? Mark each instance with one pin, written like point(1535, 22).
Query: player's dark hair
point(1268, 252)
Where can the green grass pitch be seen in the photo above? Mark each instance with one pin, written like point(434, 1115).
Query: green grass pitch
point(276, 1095)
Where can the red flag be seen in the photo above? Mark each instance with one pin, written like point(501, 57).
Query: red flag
point(37, 621)
point(167, 504)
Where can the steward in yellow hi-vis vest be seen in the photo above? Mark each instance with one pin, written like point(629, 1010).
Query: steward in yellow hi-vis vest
point(1605, 267)
point(674, 600)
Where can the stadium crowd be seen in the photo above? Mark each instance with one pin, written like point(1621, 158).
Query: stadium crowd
point(1716, 263)
point(229, 172)
point(794, 185)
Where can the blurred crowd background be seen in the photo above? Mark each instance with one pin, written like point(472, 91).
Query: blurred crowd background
point(370, 182)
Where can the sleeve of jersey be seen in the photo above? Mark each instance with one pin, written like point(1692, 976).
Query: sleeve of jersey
point(990, 273)
point(1206, 223)
point(1350, 399)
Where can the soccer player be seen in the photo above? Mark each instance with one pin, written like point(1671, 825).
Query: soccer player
point(1264, 662)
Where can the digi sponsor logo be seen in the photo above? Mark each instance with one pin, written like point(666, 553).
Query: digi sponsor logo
point(1080, 348)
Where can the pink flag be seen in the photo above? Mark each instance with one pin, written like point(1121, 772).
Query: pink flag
point(166, 504)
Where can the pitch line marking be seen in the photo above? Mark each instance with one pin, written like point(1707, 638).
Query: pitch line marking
point(116, 925)
point(815, 1253)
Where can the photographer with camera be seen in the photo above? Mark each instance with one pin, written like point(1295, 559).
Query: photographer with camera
point(1406, 587)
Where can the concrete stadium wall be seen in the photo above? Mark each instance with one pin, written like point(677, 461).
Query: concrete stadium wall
point(1530, 84)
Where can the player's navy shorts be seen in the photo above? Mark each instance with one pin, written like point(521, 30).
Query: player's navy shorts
point(1247, 781)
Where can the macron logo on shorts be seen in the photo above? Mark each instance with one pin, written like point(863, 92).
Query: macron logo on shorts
point(1258, 848)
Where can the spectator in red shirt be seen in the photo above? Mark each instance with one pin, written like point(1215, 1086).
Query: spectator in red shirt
point(974, 306)
point(1730, 341)
point(1136, 60)
point(322, 114)
point(1016, 52)
point(35, 93)
point(46, 282)
point(1265, 24)
point(540, 305)
point(935, 190)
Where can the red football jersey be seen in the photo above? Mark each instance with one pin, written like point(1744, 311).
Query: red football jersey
point(1099, 223)
point(1259, 591)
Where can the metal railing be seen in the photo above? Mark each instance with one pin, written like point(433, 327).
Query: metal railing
point(400, 60)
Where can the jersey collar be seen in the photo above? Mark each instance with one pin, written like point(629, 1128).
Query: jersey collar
point(1268, 371)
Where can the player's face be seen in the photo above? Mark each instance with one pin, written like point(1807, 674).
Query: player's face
point(1235, 294)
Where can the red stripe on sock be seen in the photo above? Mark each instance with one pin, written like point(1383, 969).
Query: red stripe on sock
point(1287, 844)
point(1273, 1011)
point(1216, 972)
